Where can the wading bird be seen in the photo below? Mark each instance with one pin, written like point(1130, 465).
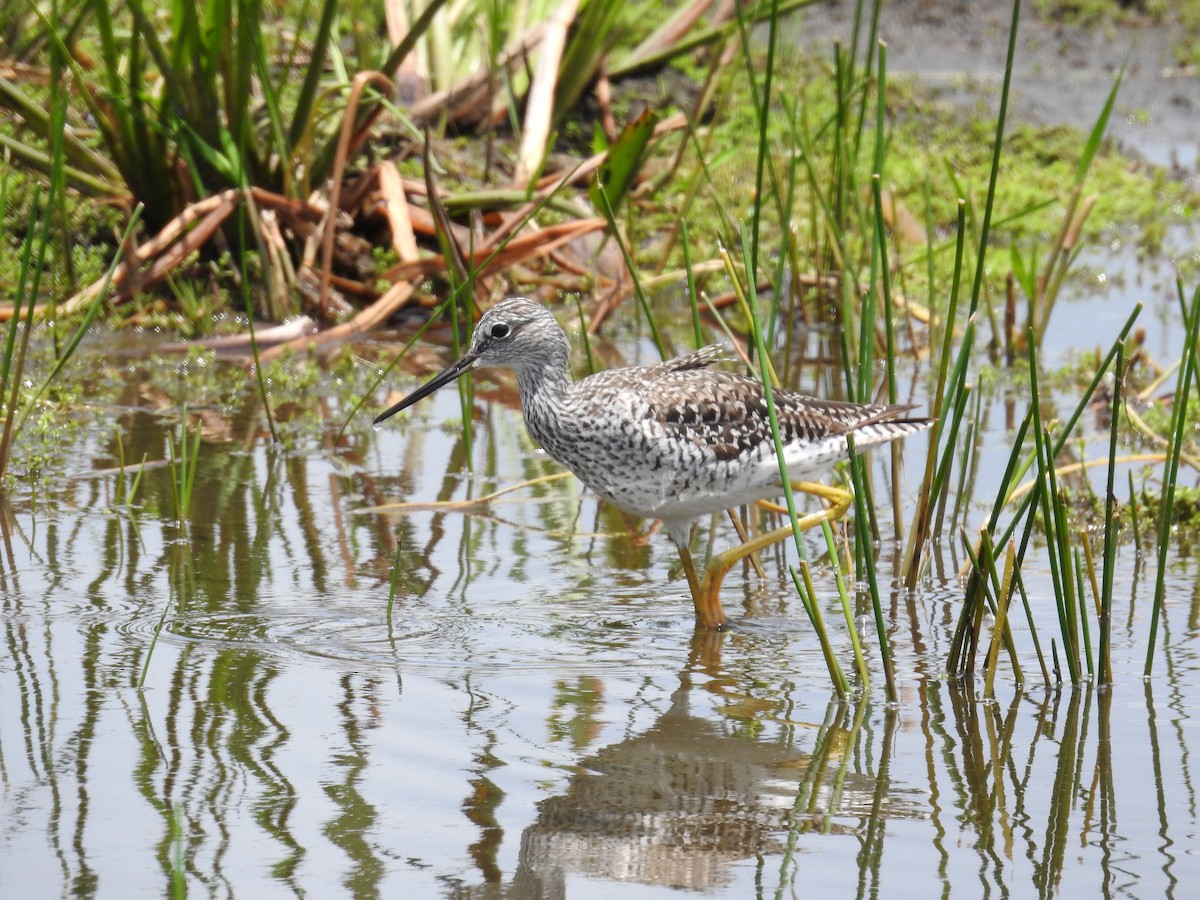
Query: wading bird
point(673, 441)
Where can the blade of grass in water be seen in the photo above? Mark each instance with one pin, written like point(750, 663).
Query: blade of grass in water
point(1081, 602)
point(583, 333)
point(914, 551)
point(162, 620)
point(997, 147)
point(1047, 491)
point(615, 233)
point(864, 529)
point(260, 376)
point(183, 462)
point(1133, 513)
point(860, 663)
point(1001, 624)
point(1179, 425)
point(881, 229)
point(693, 299)
point(765, 162)
point(1110, 531)
point(181, 579)
point(461, 275)
point(836, 675)
point(393, 583)
point(1059, 530)
point(808, 596)
point(1037, 643)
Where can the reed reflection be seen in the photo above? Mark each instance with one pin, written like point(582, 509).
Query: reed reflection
point(1036, 783)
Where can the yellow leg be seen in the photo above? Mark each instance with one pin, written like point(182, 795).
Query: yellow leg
point(707, 591)
point(709, 614)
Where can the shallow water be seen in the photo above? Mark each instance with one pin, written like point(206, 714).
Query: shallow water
point(537, 718)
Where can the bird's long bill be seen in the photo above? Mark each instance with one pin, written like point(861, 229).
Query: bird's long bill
point(448, 374)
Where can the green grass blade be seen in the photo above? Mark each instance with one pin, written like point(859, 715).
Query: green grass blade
point(615, 233)
point(1110, 530)
point(997, 147)
point(864, 529)
point(808, 596)
point(693, 298)
point(302, 111)
point(1097, 133)
point(1178, 428)
point(839, 578)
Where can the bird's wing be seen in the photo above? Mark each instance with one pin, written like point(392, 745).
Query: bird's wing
point(727, 412)
point(723, 412)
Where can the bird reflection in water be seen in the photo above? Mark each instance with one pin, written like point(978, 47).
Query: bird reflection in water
point(678, 804)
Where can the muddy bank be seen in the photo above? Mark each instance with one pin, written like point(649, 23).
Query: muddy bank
point(1063, 72)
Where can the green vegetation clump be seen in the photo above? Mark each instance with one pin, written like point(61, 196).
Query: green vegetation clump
point(1182, 16)
point(932, 146)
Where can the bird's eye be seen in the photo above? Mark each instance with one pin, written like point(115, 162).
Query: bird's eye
point(500, 330)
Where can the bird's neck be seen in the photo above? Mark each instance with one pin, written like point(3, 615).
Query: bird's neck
point(544, 386)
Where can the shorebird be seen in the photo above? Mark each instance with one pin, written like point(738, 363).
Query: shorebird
point(674, 441)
